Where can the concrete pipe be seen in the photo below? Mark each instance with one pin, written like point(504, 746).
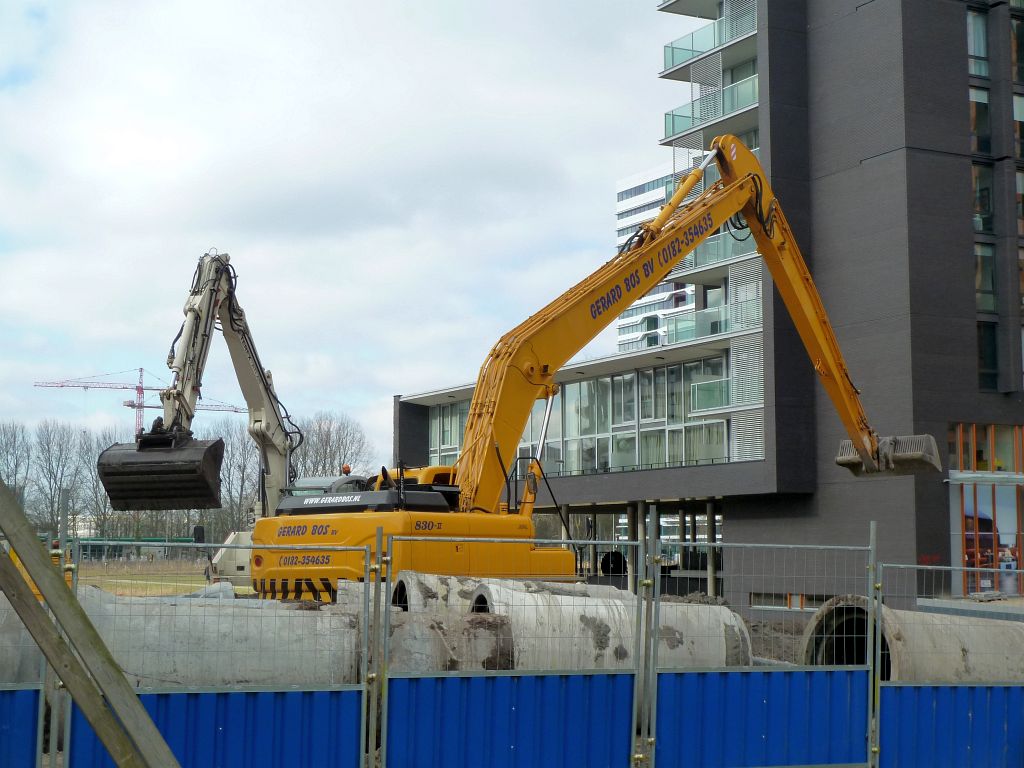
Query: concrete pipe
point(552, 630)
point(917, 646)
point(422, 592)
point(419, 592)
point(197, 641)
point(449, 642)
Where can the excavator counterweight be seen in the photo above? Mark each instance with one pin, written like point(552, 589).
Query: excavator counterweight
point(180, 473)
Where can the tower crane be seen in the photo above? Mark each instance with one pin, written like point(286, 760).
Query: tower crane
point(140, 389)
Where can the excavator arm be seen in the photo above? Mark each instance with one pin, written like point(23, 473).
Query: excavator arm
point(521, 367)
point(166, 468)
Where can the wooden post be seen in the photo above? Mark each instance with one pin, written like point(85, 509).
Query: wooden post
point(96, 683)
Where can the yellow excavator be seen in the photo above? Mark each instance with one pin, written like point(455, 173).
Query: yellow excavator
point(466, 500)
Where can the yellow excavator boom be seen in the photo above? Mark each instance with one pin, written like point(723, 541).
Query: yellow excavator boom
point(521, 369)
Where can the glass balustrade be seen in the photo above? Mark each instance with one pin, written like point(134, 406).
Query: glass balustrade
point(712, 106)
point(720, 32)
point(689, 326)
point(707, 395)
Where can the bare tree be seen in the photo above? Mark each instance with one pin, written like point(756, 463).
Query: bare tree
point(331, 439)
point(101, 518)
point(239, 479)
point(57, 471)
point(15, 457)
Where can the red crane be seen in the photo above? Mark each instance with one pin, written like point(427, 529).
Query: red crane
point(140, 389)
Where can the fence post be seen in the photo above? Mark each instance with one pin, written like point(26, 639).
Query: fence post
point(876, 601)
point(654, 633)
point(869, 642)
point(385, 647)
point(639, 650)
point(373, 676)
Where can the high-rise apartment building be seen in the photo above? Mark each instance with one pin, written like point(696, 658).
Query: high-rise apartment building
point(645, 322)
point(893, 134)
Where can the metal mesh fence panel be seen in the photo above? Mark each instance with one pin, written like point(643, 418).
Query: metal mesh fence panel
point(530, 613)
point(167, 626)
point(931, 633)
point(737, 605)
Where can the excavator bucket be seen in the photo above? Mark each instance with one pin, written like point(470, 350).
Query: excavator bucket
point(161, 474)
point(899, 455)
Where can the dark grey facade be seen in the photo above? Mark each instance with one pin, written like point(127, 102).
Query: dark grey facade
point(866, 132)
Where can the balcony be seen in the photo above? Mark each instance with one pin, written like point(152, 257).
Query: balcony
point(715, 250)
point(709, 37)
point(729, 318)
point(709, 395)
point(713, 106)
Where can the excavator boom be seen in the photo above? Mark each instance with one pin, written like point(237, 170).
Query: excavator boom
point(167, 468)
point(520, 369)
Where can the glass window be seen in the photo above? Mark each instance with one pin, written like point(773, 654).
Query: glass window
point(675, 446)
point(659, 393)
point(588, 403)
point(981, 176)
point(977, 43)
point(646, 394)
point(1017, 49)
point(984, 277)
point(623, 399)
point(603, 406)
point(588, 454)
point(552, 462)
point(571, 393)
point(705, 443)
point(1018, 125)
point(988, 360)
point(573, 460)
point(981, 133)
point(624, 450)
point(675, 395)
point(1003, 460)
point(603, 449)
point(1020, 203)
point(652, 447)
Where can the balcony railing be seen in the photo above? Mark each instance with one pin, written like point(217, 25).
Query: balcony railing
point(712, 106)
point(708, 37)
point(728, 318)
point(717, 249)
point(708, 395)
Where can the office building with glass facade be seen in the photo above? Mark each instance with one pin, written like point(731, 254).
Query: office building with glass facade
point(891, 132)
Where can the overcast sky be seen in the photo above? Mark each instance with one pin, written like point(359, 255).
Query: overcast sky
point(397, 184)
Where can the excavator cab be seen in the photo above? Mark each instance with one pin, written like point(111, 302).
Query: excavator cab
point(162, 470)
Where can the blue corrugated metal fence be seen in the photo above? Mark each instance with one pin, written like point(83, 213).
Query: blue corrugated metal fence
point(19, 725)
point(510, 721)
point(271, 729)
point(952, 726)
point(751, 718)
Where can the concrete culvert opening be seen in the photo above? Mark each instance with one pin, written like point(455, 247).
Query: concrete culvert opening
point(837, 635)
point(480, 605)
point(400, 598)
point(613, 564)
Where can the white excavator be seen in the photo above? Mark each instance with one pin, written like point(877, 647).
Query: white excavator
point(167, 467)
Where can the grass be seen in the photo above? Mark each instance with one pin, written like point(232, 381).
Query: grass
point(144, 577)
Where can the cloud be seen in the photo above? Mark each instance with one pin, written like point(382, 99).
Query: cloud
point(398, 184)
